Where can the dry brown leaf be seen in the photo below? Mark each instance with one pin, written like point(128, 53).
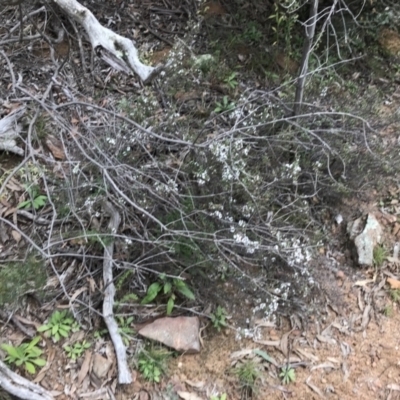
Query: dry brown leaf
point(284, 344)
point(16, 235)
point(394, 283)
point(365, 317)
point(14, 185)
point(188, 396)
point(315, 388)
point(85, 367)
point(241, 353)
point(78, 292)
point(92, 285)
point(10, 211)
point(42, 373)
point(393, 386)
point(326, 339)
point(364, 282)
point(56, 147)
point(272, 343)
point(307, 354)
point(197, 385)
point(259, 323)
point(324, 365)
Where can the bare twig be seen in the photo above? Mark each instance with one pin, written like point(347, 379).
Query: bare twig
point(310, 31)
point(124, 375)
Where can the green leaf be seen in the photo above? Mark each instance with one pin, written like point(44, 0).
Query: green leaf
point(63, 332)
point(54, 330)
point(24, 204)
point(35, 352)
point(30, 367)
point(167, 287)
point(152, 292)
point(170, 305)
point(186, 292)
point(263, 354)
point(11, 350)
point(39, 201)
point(40, 362)
point(34, 342)
point(43, 328)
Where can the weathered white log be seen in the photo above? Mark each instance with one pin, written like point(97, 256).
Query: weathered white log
point(116, 50)
point(124, 375)
point(21, 387)
point(9, 130)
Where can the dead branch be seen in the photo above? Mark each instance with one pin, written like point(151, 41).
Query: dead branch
point(21, 387)
point(9, 131)
point(116, 50)
point(124, 375)
point(310, 31)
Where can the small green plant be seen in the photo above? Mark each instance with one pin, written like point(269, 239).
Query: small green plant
point(75, 351)
point(218, 318)
point(128, 298)
point(60, 324)
point(380, 254)
point(231, 81)
point(168, 287)
point(248, 374)
point(75, 327)
point(100, 333)
point(222, 397)
point(388, 311)
point(285, 17)
point(395, 295)
point(124, 328)
point(152, 364)
point(287, 375)
point(223, 106)
point(26, 354)
point(35, 200)
point(252, 33)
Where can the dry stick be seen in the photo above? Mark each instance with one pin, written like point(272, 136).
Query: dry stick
point(117, 50)
point(310, 31)
point(21, 387)
point(124, 375)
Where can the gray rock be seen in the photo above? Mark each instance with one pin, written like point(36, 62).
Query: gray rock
point(366, 233)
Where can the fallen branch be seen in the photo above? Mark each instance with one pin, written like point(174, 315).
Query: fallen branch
point(21, 387)
point(116, 50)
point(9, 131)
point(124, 375)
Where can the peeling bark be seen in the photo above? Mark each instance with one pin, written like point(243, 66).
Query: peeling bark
point(9, 131)
point(116, 50)
point(21, 387)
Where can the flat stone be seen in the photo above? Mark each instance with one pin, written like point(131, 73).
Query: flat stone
point(180, 333)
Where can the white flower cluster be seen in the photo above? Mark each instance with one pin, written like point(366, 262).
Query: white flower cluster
point(292, 170)
point(267, 307)
point(250, 245)
point(297, 253)
point(231, 155)
point(170, 187)
point(201, 175)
